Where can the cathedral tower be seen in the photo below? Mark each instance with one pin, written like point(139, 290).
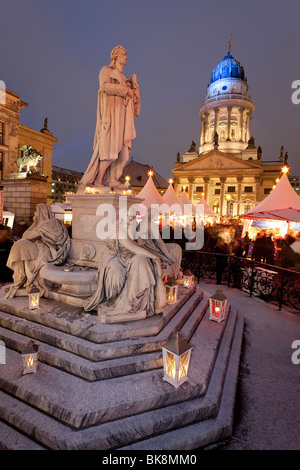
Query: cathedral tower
point(227, 109)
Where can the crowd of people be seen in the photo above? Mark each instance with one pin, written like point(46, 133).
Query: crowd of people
point(6, 242)
point(265, 247)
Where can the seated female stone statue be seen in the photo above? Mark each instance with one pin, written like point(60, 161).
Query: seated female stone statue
point(129, 281)
point(46, 241)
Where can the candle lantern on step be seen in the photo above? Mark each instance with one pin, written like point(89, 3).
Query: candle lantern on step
point(30, 358)
point(34, 298)
point(188, 279)
point(171, 293)
point(176, 359)
point(217, 306)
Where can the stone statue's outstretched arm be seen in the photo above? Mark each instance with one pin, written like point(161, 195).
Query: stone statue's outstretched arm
point(136, 249)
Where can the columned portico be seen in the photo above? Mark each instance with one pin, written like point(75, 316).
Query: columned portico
point(239, 193)
point(222, 193)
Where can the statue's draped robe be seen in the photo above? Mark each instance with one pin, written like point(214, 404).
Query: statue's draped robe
point(127, 283)
point(115, 121)
point(46, 241)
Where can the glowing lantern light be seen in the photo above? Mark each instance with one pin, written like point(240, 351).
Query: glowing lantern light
point(176, 359)
point(171, 293)
point(217, 306)
point(29, 356)
point(285, 169)
point(34, 298)
point(188, 279)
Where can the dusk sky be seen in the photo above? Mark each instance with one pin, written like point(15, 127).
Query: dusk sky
point(52, 52)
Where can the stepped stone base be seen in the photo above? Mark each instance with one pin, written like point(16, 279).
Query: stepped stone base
point(100, 386)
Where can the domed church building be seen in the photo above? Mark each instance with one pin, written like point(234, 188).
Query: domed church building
point(227, 169)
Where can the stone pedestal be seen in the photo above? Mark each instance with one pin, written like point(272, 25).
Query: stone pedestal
point(75, 283)
point(87, 211)
point(22, 193)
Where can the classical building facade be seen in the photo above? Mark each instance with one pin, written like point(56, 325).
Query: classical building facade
point(227, 168)
point(22, 192)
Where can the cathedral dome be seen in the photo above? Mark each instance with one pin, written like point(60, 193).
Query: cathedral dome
point(229, 67)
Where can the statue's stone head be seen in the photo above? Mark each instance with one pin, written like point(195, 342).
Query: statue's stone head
point(115, 52)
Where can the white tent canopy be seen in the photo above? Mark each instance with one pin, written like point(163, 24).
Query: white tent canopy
point(208, 212)
point(150, 194)
point(171, 198)
point(283, 203)
point(184, 199)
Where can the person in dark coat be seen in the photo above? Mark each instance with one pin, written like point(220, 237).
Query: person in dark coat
point(257, 248)
point(6, 242)
point(246, 243)
point(237, 251)
point(221, 261)
point(270, 250)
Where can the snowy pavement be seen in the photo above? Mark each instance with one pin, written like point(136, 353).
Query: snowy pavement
point(267, 415)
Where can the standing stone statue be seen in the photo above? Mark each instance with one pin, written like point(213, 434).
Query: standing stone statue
point(118, 104)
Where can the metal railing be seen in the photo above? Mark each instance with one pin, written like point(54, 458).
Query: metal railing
point(271, 283)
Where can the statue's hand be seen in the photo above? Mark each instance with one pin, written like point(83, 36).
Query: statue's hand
point(130, 93)
point(134, 80)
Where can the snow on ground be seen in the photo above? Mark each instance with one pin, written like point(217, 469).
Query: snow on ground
point(267, 414)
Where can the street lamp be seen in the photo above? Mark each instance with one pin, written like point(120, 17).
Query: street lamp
point(228, 200)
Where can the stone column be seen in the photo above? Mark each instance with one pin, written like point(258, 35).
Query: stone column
point(191, 180)
point(205, 126)
point(216, 124)
point(257, 189)
point(229, 109)
point(248, 126)
point(202, 138)
point(239, 191)
point(241, 124)
point(206, 189)
point(222, 180)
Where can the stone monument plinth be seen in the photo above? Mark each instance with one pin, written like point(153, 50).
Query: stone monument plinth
point(87, 212)
point(22, 193)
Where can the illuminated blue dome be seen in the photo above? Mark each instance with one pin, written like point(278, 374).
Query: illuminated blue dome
point(229, 67)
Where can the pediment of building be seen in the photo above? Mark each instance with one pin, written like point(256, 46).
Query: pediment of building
point(217, 160)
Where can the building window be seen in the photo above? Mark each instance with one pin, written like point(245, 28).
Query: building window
point(222, 134)
point(247, 208)
point(1, 165)
point(231, 189)
point(199, 189)
point(1, 133)
point(217, 191)
point(267, 190)
point(248, 189)
point(232, 134)
point(230, 210)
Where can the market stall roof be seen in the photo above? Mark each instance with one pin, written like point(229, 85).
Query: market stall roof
point(184, 199)
point(208, 212)
point(171, 198)
point(283, 203)
point(150, 194)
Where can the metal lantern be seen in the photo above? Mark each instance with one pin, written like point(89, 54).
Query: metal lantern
point(188, 279)
point(30, 359)
point(34, 298)
point(176, 360)
point(217, 306)
point(171, 293)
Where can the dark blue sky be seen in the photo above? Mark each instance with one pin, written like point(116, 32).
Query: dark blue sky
point(51, 53)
